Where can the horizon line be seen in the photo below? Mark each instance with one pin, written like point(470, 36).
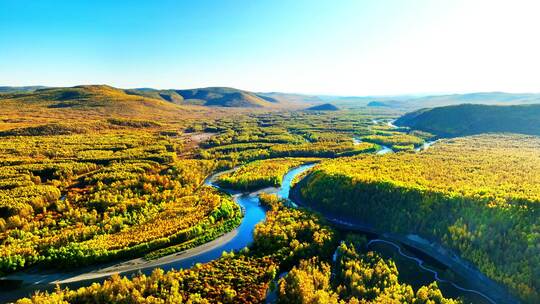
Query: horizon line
point(416, 94)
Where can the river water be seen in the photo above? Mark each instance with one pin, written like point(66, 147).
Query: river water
point(415, 269)
point(254, 213)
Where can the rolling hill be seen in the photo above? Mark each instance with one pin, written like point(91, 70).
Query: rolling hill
point(87, 97)
point(47, 107)
point(94, 95)
point(226, 97)
point(211, 96)
point(323, 107)
point(165, 95)
point(469, 119)
point(85, 103)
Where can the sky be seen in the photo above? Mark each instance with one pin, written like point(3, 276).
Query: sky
point(338, 47)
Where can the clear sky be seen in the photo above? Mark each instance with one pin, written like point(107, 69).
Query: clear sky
point(351, 47)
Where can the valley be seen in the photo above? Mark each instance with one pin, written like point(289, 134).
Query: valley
point(269, 152)
point(118, 203)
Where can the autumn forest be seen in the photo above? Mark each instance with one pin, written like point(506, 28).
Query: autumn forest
point(240, 205)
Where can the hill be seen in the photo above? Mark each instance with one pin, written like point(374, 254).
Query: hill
point(82, 104)
point(469, 194)
point(323, 107)
point(226, 97)
point(165, 95)
point(469, 119)
point(6, 89)
point(211, 96)
point(87, 97)
point(393, 104)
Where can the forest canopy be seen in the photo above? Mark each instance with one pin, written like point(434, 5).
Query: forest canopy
point(477, 195)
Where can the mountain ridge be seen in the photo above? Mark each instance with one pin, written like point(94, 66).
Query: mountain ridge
point(323, 107)
point(233, 97)
point(471, 119)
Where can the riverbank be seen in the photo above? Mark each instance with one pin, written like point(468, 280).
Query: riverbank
point(38, 279)
point(474, 279)
point(45, 280)
point(244, 235)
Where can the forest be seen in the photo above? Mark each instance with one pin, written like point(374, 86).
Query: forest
point(102, 197)
point(292, 240)
point(124, 188)
point(261, 173)
point(470, 119)
point(276, 152)
point(476, 195)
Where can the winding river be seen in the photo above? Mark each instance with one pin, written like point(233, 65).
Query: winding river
point(36, 278)
point(450, 288)
point(417, 268)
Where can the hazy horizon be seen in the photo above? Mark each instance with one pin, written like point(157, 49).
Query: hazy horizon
point(412, 95)
point(344, 48)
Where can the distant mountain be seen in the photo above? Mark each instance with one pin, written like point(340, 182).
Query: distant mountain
point(488, 98)
point(469, 119)
point(231, 97)
point(226, 97)
point(212, 97)
point(323, 107)
point(5, 89)
point(409, 103)
point(90, 98)
point(492, 98)
point(368, 101)
point(165, 95)
point(388, 104)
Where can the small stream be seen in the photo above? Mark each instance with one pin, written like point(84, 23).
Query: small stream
point(414, 268)
point(419, 272)
point(386, 149)
point(417, 268)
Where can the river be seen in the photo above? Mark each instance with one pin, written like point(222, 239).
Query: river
point(415, 268)
point(36, 278)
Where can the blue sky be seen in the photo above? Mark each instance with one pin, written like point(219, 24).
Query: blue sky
point(332, 47)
